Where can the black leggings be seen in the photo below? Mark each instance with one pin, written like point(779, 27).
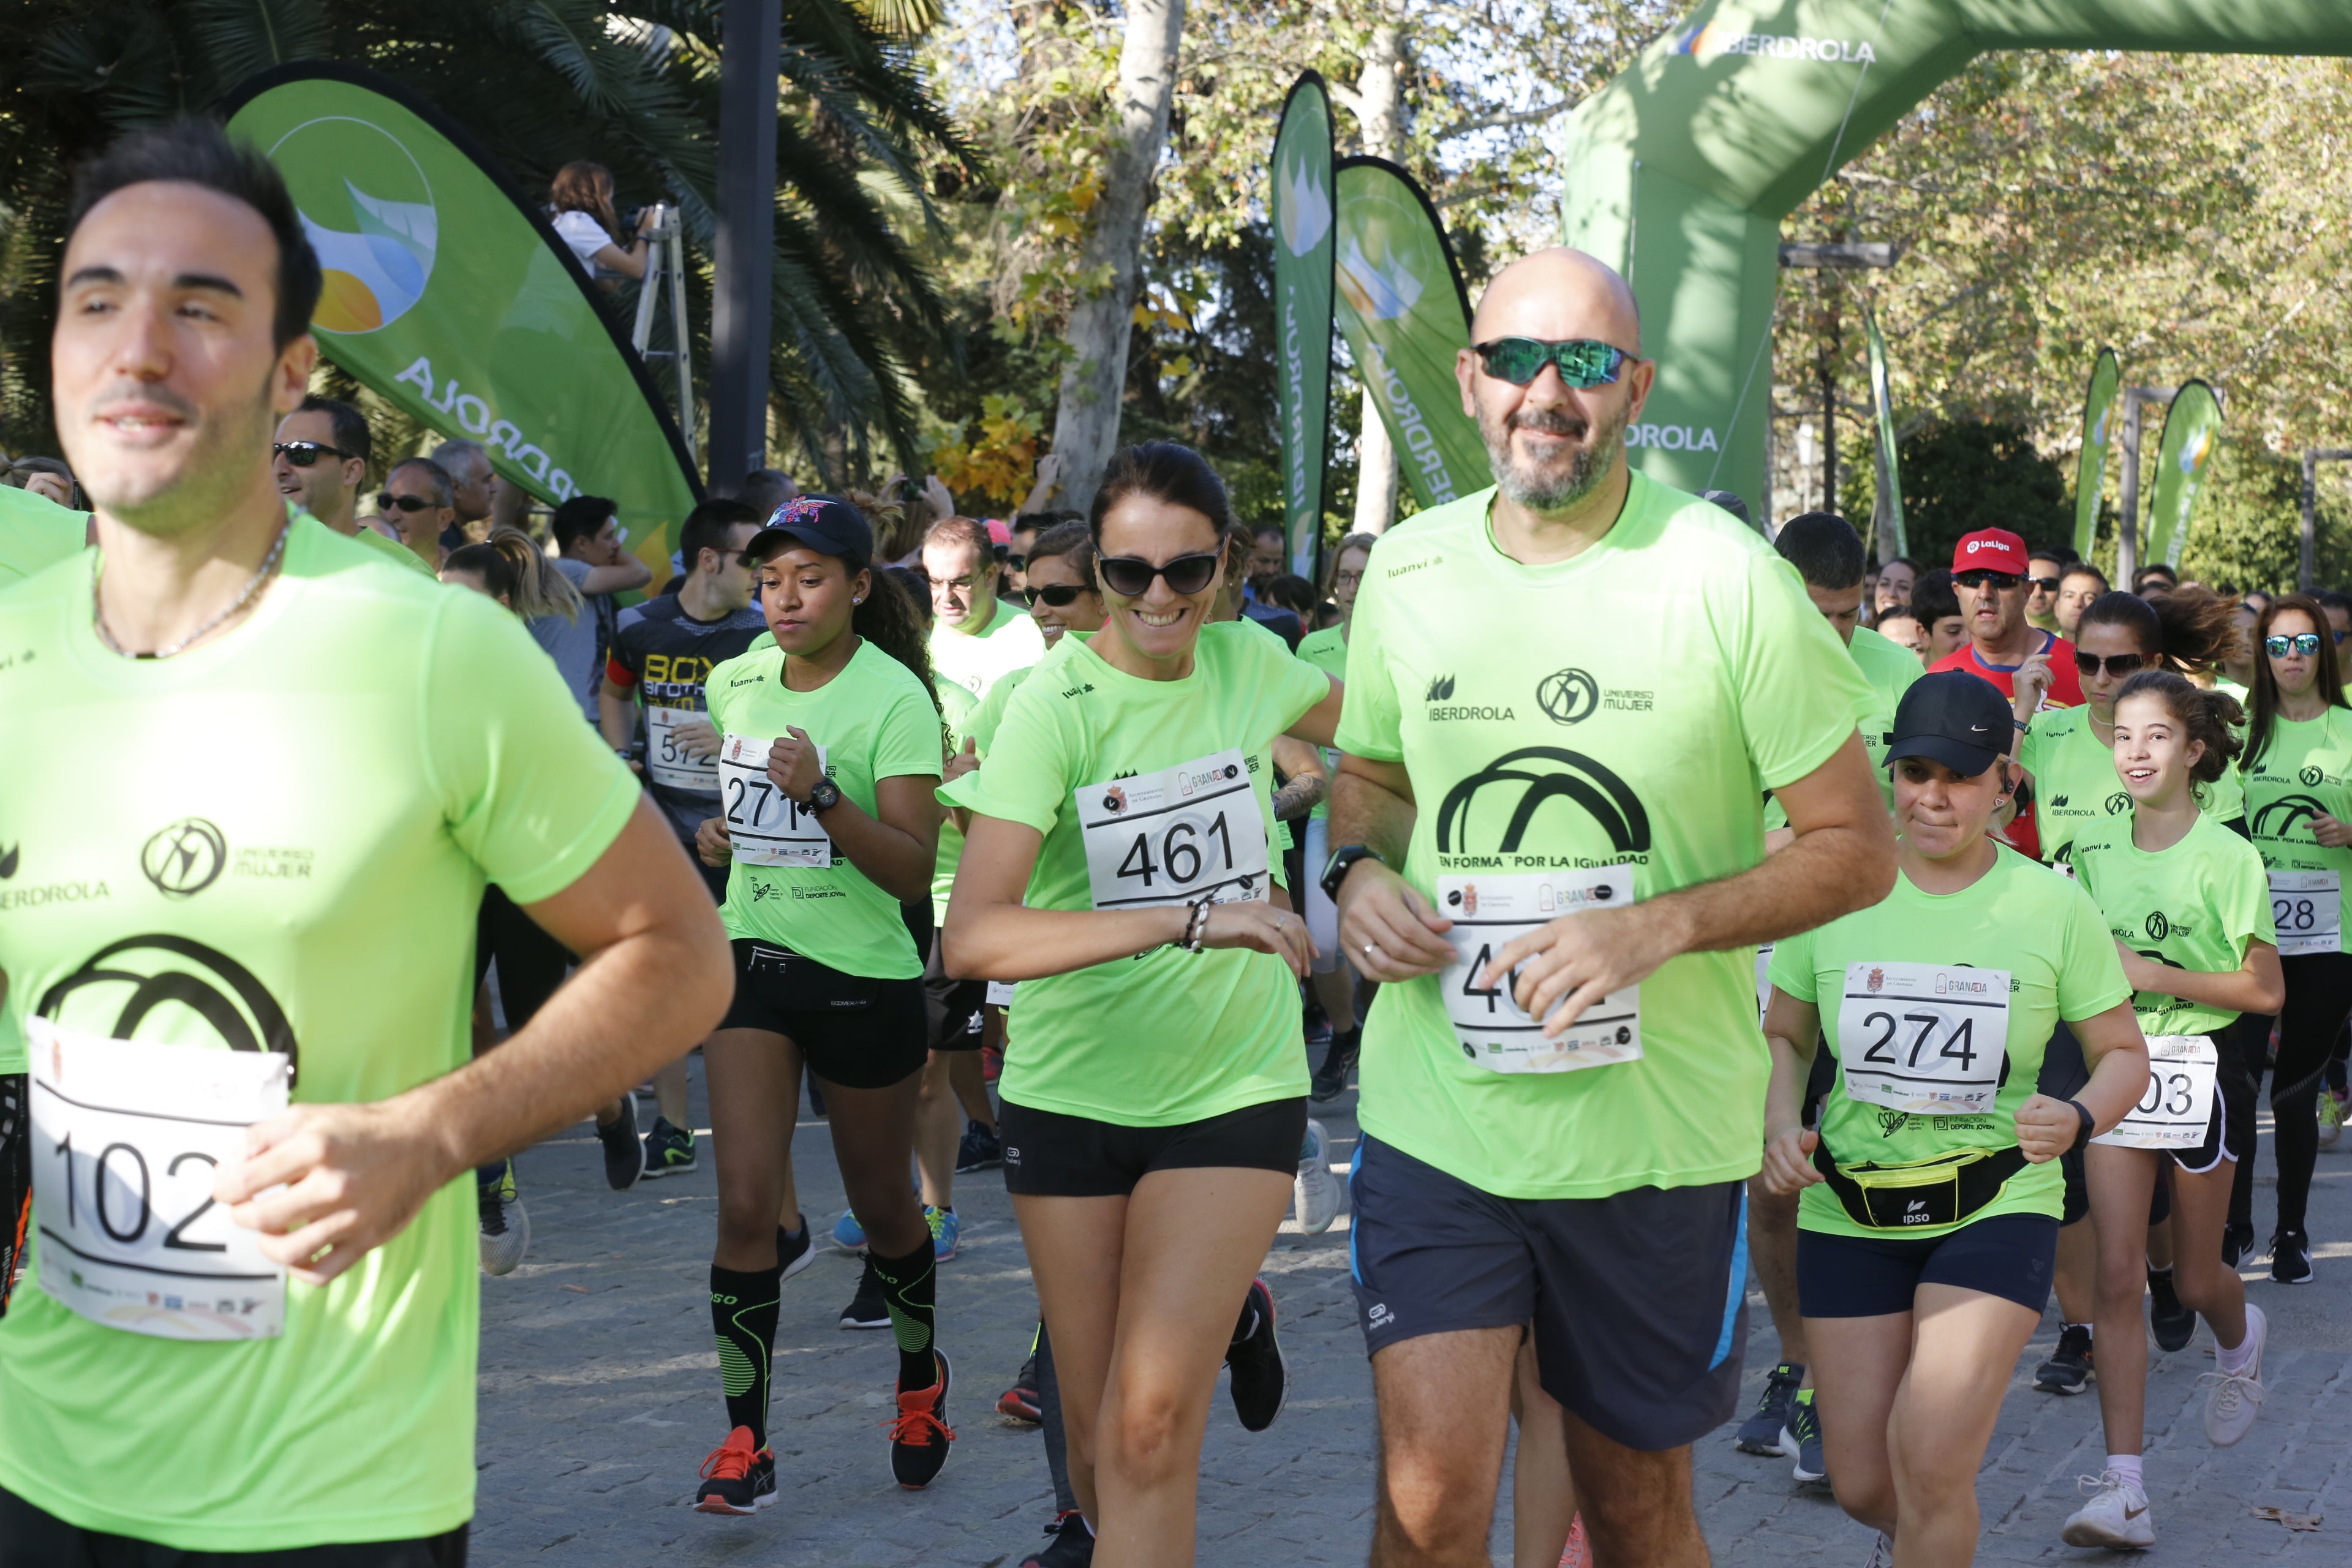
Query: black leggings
point(2318, 997)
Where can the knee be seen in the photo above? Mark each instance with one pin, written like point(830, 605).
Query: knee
point(1866, 1499)
point(1147, 1432)
point(743, 1219)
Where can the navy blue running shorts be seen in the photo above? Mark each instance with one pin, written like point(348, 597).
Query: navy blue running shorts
point(1636, 1301)
point(2012, 1256)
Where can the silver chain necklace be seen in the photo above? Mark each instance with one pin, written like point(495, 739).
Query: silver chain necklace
point(261, 576)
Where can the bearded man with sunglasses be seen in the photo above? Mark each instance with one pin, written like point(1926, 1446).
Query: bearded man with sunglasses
point(320, 460)
point(1551, 856)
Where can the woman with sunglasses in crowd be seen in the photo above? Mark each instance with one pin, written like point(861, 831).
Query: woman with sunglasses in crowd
point(1117, 865)
point(2299, 774)
point(2069, 759)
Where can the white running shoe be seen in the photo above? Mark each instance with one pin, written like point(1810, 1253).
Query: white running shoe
point(2116, 1517)
point(1315, 1193)
point(2237, 1397)
point(1882, 1553)
point(505, 1225)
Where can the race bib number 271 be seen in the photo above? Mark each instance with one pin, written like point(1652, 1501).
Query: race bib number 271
point(765, 827)
point(126, 1139)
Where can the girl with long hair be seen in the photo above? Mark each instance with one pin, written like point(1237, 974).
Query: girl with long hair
point(582, 198)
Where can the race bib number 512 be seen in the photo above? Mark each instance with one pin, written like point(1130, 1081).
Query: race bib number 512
point(1491, 912)
point(126, 1137)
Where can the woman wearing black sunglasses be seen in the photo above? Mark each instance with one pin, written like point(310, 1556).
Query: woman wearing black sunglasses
point(1155, 1081)
point(2299, 803)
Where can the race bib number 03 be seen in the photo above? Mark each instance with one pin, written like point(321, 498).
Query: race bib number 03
point(1924, 1039)
point(126, 1139)
point(2178, 1109)
point(1186, 835)
point(2308, 908)
point(669, 763)
point(1491, 912)
point(767, 826)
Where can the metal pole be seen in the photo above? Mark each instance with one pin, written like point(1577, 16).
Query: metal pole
point(745, 254)
point(2127, 532)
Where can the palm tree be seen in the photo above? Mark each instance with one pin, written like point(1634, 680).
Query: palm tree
point(632, 84)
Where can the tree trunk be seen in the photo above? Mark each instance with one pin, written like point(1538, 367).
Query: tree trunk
point(1378, 103)
point(1086, 424)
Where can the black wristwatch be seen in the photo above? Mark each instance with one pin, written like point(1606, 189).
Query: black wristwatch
point(824, 795)
point(1343, 859)
point(2082, 1135)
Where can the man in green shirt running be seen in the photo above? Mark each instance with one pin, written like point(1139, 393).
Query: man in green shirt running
point(248, 1324)
point(1563, 1096)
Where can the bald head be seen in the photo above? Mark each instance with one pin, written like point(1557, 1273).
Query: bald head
point(1557, 295)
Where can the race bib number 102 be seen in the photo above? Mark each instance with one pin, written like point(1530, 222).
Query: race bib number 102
point(1923, 1037)
point(1187, 835)
point(126, 1139)
point(765, 827)
point(1491, 912)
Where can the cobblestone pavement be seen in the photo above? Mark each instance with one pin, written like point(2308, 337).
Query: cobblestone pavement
point(599, 1398)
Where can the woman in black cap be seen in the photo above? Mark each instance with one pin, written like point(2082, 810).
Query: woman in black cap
point(830, 748)
point(1928, 1221)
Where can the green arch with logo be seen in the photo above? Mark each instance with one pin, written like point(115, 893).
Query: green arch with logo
point(1680, 170)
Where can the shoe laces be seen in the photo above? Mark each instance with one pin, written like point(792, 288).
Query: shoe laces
point(731, 1461)
point(918, 1427)
point(2106, 1480)
point(2230, 1388)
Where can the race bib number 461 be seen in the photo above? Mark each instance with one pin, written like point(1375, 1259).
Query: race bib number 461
point(126, 1139)
point(765, 826)
point(1491, 912)
point(1186, 835)
point(1923, 1037)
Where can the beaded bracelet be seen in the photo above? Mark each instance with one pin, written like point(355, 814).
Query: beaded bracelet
point(1196, 928)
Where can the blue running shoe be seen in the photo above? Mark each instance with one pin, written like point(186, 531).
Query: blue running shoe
point(847, 1233)
point(946, 1226)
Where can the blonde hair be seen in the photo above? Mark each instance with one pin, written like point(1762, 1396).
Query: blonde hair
point(540, 589)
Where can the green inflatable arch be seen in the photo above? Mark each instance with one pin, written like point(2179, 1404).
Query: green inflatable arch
point(1680, 171)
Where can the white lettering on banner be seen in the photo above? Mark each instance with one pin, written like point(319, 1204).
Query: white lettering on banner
point(478, 419)
point(1295, 457)
point(1673, 437)
point(1417, 436)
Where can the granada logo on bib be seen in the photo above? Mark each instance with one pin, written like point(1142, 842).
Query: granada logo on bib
point(1524, 782)
point(120, 987)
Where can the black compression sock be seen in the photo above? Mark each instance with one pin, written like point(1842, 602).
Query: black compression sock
point(743, 1316)
point(909, 1289)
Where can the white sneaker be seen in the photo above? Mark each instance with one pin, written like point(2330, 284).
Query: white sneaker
point(2116, 1515)
point(2237, 1397)
point(504, 1223)
point(1882, 1553)
point(1315, 1193)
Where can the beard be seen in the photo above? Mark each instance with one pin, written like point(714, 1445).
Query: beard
point(1556, 486)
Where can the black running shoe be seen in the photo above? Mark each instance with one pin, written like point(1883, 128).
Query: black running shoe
point(2237, 1240)
point(736, 1478)
point(2291, 1257)
point(867, 1310)
point(2069, 1368)
point(794, 1251)
point(920, 1436)
point(669, 1149)
point(2169, 1323)
point(1330, 1080)
point(979, 1151)
point(1760, 1433)
point(1801, 1440)
point(1258, 1381)
point(624, 1156)
point(1021, 1405)
point(1069, 1544)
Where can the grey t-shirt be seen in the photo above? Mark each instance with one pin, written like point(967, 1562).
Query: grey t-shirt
point(578, 646)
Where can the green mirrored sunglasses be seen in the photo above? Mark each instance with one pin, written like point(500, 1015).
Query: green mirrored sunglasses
point(1583, 361)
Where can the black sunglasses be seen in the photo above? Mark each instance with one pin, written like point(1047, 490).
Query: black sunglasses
point(1583, 362)
point(2303, 643)
point(1060, 596)
point(2047, 584)
point(1016, 563)
point(2118, 664)
point(302, 454)
point(387, 501)
point(1999, 582)
point(1130, 576)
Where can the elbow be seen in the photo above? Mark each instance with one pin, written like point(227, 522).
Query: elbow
point(1870, 870)
point(956, 954)
point(2270, 997)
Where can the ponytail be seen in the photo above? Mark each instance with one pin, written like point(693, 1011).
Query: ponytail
point(889, 620)
point(540, 588)
point(2194, 628)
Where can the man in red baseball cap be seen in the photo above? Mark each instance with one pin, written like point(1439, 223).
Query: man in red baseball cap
point(1989, 573)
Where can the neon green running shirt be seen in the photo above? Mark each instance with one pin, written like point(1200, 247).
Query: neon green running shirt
point(956, 709)
point(2194, 906)
point(1168, 1036)
point(1629, 706)
point(279, 839)
point(977, 660)
point(1326, 651)
point(2306, 769)
point(1889, 667)
point(2018, 916)
point(36, 533)
point(876, 722)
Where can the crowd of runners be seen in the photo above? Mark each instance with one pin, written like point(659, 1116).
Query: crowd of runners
point(1664, 918)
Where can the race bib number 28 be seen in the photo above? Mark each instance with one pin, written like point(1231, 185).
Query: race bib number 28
point(1923, 1037)
point(1186, 835)
point(1491, 912)
point(766, 826)
point(126, 1139)
point(2308, 909)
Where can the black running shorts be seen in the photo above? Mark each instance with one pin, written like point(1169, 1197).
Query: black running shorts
point(2011, 1256)
point(1638, 1301)
point(1050, 1154)
point(953, 1006)
point(33, 1537)
point(15, 1180)
point(853, 1031)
